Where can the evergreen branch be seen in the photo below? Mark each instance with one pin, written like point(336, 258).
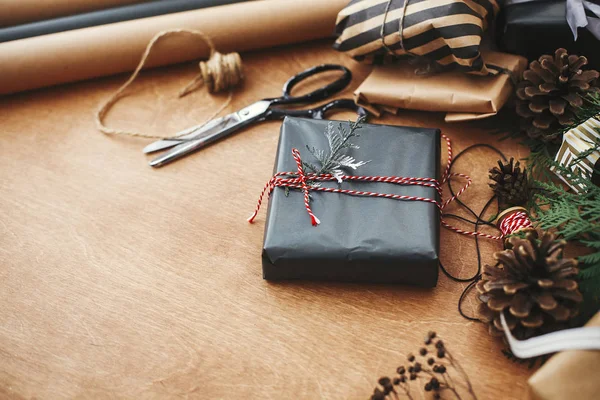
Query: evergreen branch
point(333, 161)
point(338, 141)
point(589, 109)
point(307, 165)
point(584, 154)
point(592, 244)
point(592, 261)
point(573, 216)
point(588, 285)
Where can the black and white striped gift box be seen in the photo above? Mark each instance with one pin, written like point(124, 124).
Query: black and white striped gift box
point(447, 32)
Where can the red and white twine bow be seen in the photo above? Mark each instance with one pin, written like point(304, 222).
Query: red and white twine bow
point(299, 179)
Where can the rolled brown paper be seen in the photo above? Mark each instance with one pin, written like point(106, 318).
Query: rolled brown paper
point(463, 97)
point(115, 48)
point(568, 374)
point(16, 12)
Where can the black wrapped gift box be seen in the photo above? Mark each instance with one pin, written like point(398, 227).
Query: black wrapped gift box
point(535, 28)
point(360, 239)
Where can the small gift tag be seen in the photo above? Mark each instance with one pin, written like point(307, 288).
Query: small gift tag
point(575, 152)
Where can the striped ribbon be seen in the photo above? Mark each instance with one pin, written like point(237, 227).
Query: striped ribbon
point(299, 180)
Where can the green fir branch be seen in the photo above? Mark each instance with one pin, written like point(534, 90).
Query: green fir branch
point(589, 109)
point(593, 261)
point(595, 146)
point(334, 161)
point(591, 243)
point(589, 282)
point(573, 216)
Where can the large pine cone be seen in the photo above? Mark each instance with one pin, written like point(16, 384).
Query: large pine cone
point(551, 91)
point(510, 183)
point(533, 285)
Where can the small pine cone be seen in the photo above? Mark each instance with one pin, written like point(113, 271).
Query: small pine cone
point(551, 91)
point(533, 285)
point(510, 183)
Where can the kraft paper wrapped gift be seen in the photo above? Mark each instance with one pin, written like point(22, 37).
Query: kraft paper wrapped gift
point(359, 239)
point(115, 48)
point(462, 97)
point(568, 374)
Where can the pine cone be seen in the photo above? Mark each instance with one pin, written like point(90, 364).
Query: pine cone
point(510, 183)
point(532, 284)
point(551, 91)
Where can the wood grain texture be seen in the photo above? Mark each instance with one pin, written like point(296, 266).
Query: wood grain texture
point(121, 281)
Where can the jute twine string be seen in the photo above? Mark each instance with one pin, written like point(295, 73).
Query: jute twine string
point(400, 27)
point(220, 72)
point(428, 66)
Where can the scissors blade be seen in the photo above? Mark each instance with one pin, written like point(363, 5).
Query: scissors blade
point(189, 133)
point(230, 124)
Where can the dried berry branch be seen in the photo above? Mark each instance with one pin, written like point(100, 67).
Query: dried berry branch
point(433, 368)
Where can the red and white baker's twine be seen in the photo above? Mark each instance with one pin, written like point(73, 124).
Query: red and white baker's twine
point(513, 222)
point(299, 179)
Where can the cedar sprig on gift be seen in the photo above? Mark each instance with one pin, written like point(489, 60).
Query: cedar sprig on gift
point(333, 160)
point(430, 370)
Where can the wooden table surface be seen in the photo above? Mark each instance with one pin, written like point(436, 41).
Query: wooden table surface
point(122, 281)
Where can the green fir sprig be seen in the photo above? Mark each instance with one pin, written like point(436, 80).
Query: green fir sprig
point(333, 160)
point(574, 216)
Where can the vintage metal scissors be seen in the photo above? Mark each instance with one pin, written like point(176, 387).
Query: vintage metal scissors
point(196, 137)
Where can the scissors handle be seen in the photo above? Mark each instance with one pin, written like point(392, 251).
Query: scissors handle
point(319, 112)
point(318, 94)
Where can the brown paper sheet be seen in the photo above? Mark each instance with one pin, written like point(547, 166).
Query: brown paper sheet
point(115, 48)
point(463, 97)
point(568, 374)
point(14, 12)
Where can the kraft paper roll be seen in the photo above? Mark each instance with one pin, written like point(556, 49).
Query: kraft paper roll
point(16, 12)
point(110, 49)
point(106, 16)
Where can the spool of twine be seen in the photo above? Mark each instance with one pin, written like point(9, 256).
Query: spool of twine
point(513, 220)
point(219, 73)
